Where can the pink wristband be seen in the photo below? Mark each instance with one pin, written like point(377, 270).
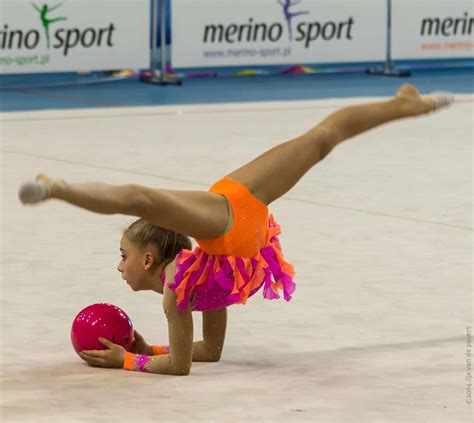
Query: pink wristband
point(136, 362)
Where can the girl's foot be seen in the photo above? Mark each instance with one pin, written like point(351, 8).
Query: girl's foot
point(35, 192)
point(416, 104)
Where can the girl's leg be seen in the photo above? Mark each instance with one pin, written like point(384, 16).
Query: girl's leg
point(275, 172)
point(207, 215)
point(198, 214)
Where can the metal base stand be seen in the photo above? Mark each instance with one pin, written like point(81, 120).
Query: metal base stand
point(388, 70)
point(157, 78)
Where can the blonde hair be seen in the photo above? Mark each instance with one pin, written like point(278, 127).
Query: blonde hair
point(167, 242)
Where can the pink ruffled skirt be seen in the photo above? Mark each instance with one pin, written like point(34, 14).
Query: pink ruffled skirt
point(208, 282)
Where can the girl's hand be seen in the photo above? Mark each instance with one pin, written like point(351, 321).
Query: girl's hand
point(139, 345)
point(113, 357)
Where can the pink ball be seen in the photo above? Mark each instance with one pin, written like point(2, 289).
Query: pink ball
point(101, 320)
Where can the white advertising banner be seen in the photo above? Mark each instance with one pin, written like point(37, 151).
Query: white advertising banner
point(432, 29)
point(208, 33)
point(73, 35)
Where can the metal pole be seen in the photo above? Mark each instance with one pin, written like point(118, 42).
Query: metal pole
point(154, 33)
point(155, 77)
point(163, 37)
point(389, 63)
point(388, 68)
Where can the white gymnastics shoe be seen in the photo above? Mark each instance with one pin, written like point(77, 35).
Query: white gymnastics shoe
point(441, 99)
point(33, 192)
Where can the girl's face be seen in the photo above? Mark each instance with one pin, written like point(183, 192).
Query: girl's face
point(133, 265)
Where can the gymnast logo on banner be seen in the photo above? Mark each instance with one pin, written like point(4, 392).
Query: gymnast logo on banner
point(45, 20)
point(290, 15)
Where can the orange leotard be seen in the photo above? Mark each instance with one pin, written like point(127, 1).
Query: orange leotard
point(230, 269)
point(249, 230)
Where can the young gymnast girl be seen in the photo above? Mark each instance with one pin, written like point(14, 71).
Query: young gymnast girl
point(238, 249)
